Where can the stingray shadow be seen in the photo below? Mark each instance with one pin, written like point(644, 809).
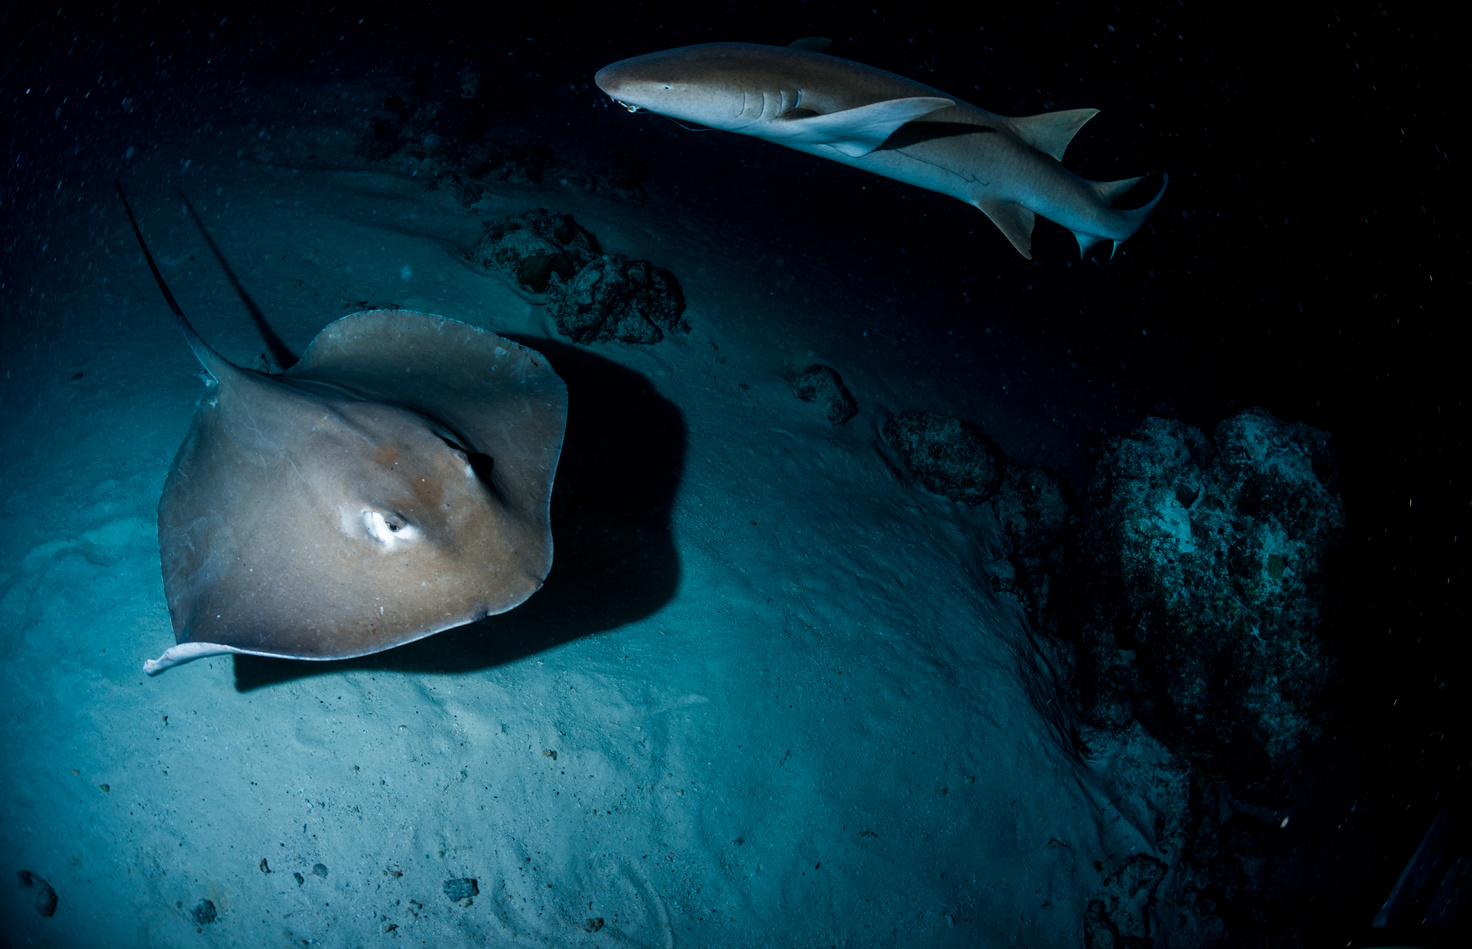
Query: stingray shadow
point(614, 556)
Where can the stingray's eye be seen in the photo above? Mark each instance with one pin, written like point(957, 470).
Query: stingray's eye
point(389, 527)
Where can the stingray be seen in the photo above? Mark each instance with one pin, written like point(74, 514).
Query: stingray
point(393, 483)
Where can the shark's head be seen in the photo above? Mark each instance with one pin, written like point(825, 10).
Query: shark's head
point(716, 85)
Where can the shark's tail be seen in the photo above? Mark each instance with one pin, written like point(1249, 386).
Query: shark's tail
point(1122, 224)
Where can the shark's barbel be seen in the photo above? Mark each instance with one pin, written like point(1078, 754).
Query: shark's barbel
point(1009, 167)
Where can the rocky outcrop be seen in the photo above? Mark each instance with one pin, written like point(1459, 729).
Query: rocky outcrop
point(1194, 591)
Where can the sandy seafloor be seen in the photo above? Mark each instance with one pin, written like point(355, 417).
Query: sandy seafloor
point(809, 720)
point(767, 695)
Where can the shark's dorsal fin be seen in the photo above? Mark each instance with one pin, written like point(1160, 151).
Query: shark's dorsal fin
point(814, 44)
point(856, 132)
point(1015, 221)
point(1050, 132)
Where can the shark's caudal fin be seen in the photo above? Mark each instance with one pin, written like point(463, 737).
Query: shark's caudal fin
point(1123, 223)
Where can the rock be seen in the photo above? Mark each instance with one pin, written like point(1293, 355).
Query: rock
point(1122, 916)
point(1033, 507)
point(946, 455)
point(441, 136)
point(592, 297)
point(822, 385)
point(1195, 587)
point(438, 133)
point(623, 177)
point(534, 245)
point(495, 160)
point(614, 298)
point(45, 902)
point(462, 889)
point(381, 139)
point(204, 913)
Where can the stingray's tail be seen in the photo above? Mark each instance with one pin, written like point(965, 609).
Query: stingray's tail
point(215, 364)
point(1122, 224)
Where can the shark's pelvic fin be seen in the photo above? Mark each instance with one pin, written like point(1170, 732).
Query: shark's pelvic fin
point(1014, 220)
point(1050, 132)
point(857, 132)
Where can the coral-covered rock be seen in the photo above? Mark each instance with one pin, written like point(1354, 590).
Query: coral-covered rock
point(946, 455)
point(439, 133)
point(1032, 505)
point(622, 177)
point(822, 386)
point(615, 298)
point(1122, 916)
point(45, 901)
point(1196, 583)
point(533, 246)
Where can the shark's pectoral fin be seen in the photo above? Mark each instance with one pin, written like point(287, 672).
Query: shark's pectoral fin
point(1015, 221)
point(855, 132)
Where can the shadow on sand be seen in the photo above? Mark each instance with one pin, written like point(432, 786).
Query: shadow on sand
point(614, 557)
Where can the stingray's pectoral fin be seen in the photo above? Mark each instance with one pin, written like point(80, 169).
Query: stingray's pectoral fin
point(186, 652)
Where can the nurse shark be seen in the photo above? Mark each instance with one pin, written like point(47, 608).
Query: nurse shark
point(1009, 167)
